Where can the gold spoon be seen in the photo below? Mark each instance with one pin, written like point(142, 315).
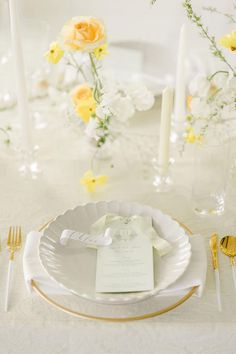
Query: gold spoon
point(228, 247)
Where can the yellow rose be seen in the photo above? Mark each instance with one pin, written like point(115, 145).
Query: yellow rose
point(86, 108)
point(229, 40)
point(80, 93)
point(83, 33)
point(55, 53)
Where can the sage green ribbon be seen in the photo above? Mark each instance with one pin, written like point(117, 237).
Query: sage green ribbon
point(140, 225)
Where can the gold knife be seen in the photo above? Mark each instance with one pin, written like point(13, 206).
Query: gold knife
point(215, 264)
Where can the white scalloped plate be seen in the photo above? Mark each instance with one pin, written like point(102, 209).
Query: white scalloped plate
point(75, 269)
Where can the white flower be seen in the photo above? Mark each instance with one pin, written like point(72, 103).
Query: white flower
point(109, 83)
point(121, 107)
point(143, 99)
point(216, 103)
point(199, 86)
point(200, 107)
point(91, 128)
point(102, 110)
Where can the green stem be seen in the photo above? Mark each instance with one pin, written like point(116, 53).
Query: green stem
point(217, 72)
point(214, 10)
point(78, 67)
point(104, 123)
point(95, 72)
point(6, 134)
point(197, 21)
point(221, 56)
point(211, 98)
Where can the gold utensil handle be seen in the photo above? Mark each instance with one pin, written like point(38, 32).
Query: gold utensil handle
point(214, 253)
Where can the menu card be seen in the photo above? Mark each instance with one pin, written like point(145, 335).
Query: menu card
point(126, 265)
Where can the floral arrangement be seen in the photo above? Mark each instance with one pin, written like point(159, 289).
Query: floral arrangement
point(100, 104)
point(210, 101)
point(211, 98)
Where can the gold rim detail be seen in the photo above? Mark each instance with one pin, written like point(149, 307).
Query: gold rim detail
point(50, 301)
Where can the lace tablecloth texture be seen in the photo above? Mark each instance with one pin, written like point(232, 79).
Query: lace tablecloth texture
point(32, 325)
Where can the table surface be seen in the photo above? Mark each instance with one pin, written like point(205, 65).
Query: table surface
point(31, 324)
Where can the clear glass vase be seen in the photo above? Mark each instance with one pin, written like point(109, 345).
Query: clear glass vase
point(211, 168)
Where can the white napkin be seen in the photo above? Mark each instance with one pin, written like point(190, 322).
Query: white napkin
point(195, 275)
point(33, 269)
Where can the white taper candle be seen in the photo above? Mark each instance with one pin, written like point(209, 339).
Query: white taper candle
point(21, 87)
point(180, 95)
point(165, 129)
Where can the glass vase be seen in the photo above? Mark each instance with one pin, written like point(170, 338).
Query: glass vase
point(211, 168)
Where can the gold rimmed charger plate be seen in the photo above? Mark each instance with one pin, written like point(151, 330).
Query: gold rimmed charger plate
point(127, 318)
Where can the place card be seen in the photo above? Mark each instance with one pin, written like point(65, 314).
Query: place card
point(126, 265)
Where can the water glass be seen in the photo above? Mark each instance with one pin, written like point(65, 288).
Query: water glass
point(211, 167)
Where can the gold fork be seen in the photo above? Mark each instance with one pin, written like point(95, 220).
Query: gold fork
point(14, 243)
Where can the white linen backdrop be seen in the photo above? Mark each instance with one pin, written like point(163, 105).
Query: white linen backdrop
point(137, 20)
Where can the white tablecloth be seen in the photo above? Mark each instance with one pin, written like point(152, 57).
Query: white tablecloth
point(31, 325)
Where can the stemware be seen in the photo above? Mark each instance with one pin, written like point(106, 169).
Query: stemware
point(35, 40)
point(162, 179)
point(211, 166)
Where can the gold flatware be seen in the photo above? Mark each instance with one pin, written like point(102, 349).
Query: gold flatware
point(228, 247)
point(14, 243)
point(215, 264)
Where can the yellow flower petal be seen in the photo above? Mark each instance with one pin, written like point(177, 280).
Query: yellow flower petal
point(90, 186)
point(191, 137)
point(101, 51)
point(189, 129)
point(102, 179)
point(229, 40)
point(55, 53)
point(90, 181)
point(86, 108)
point(87, 176)
point(189, 102)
